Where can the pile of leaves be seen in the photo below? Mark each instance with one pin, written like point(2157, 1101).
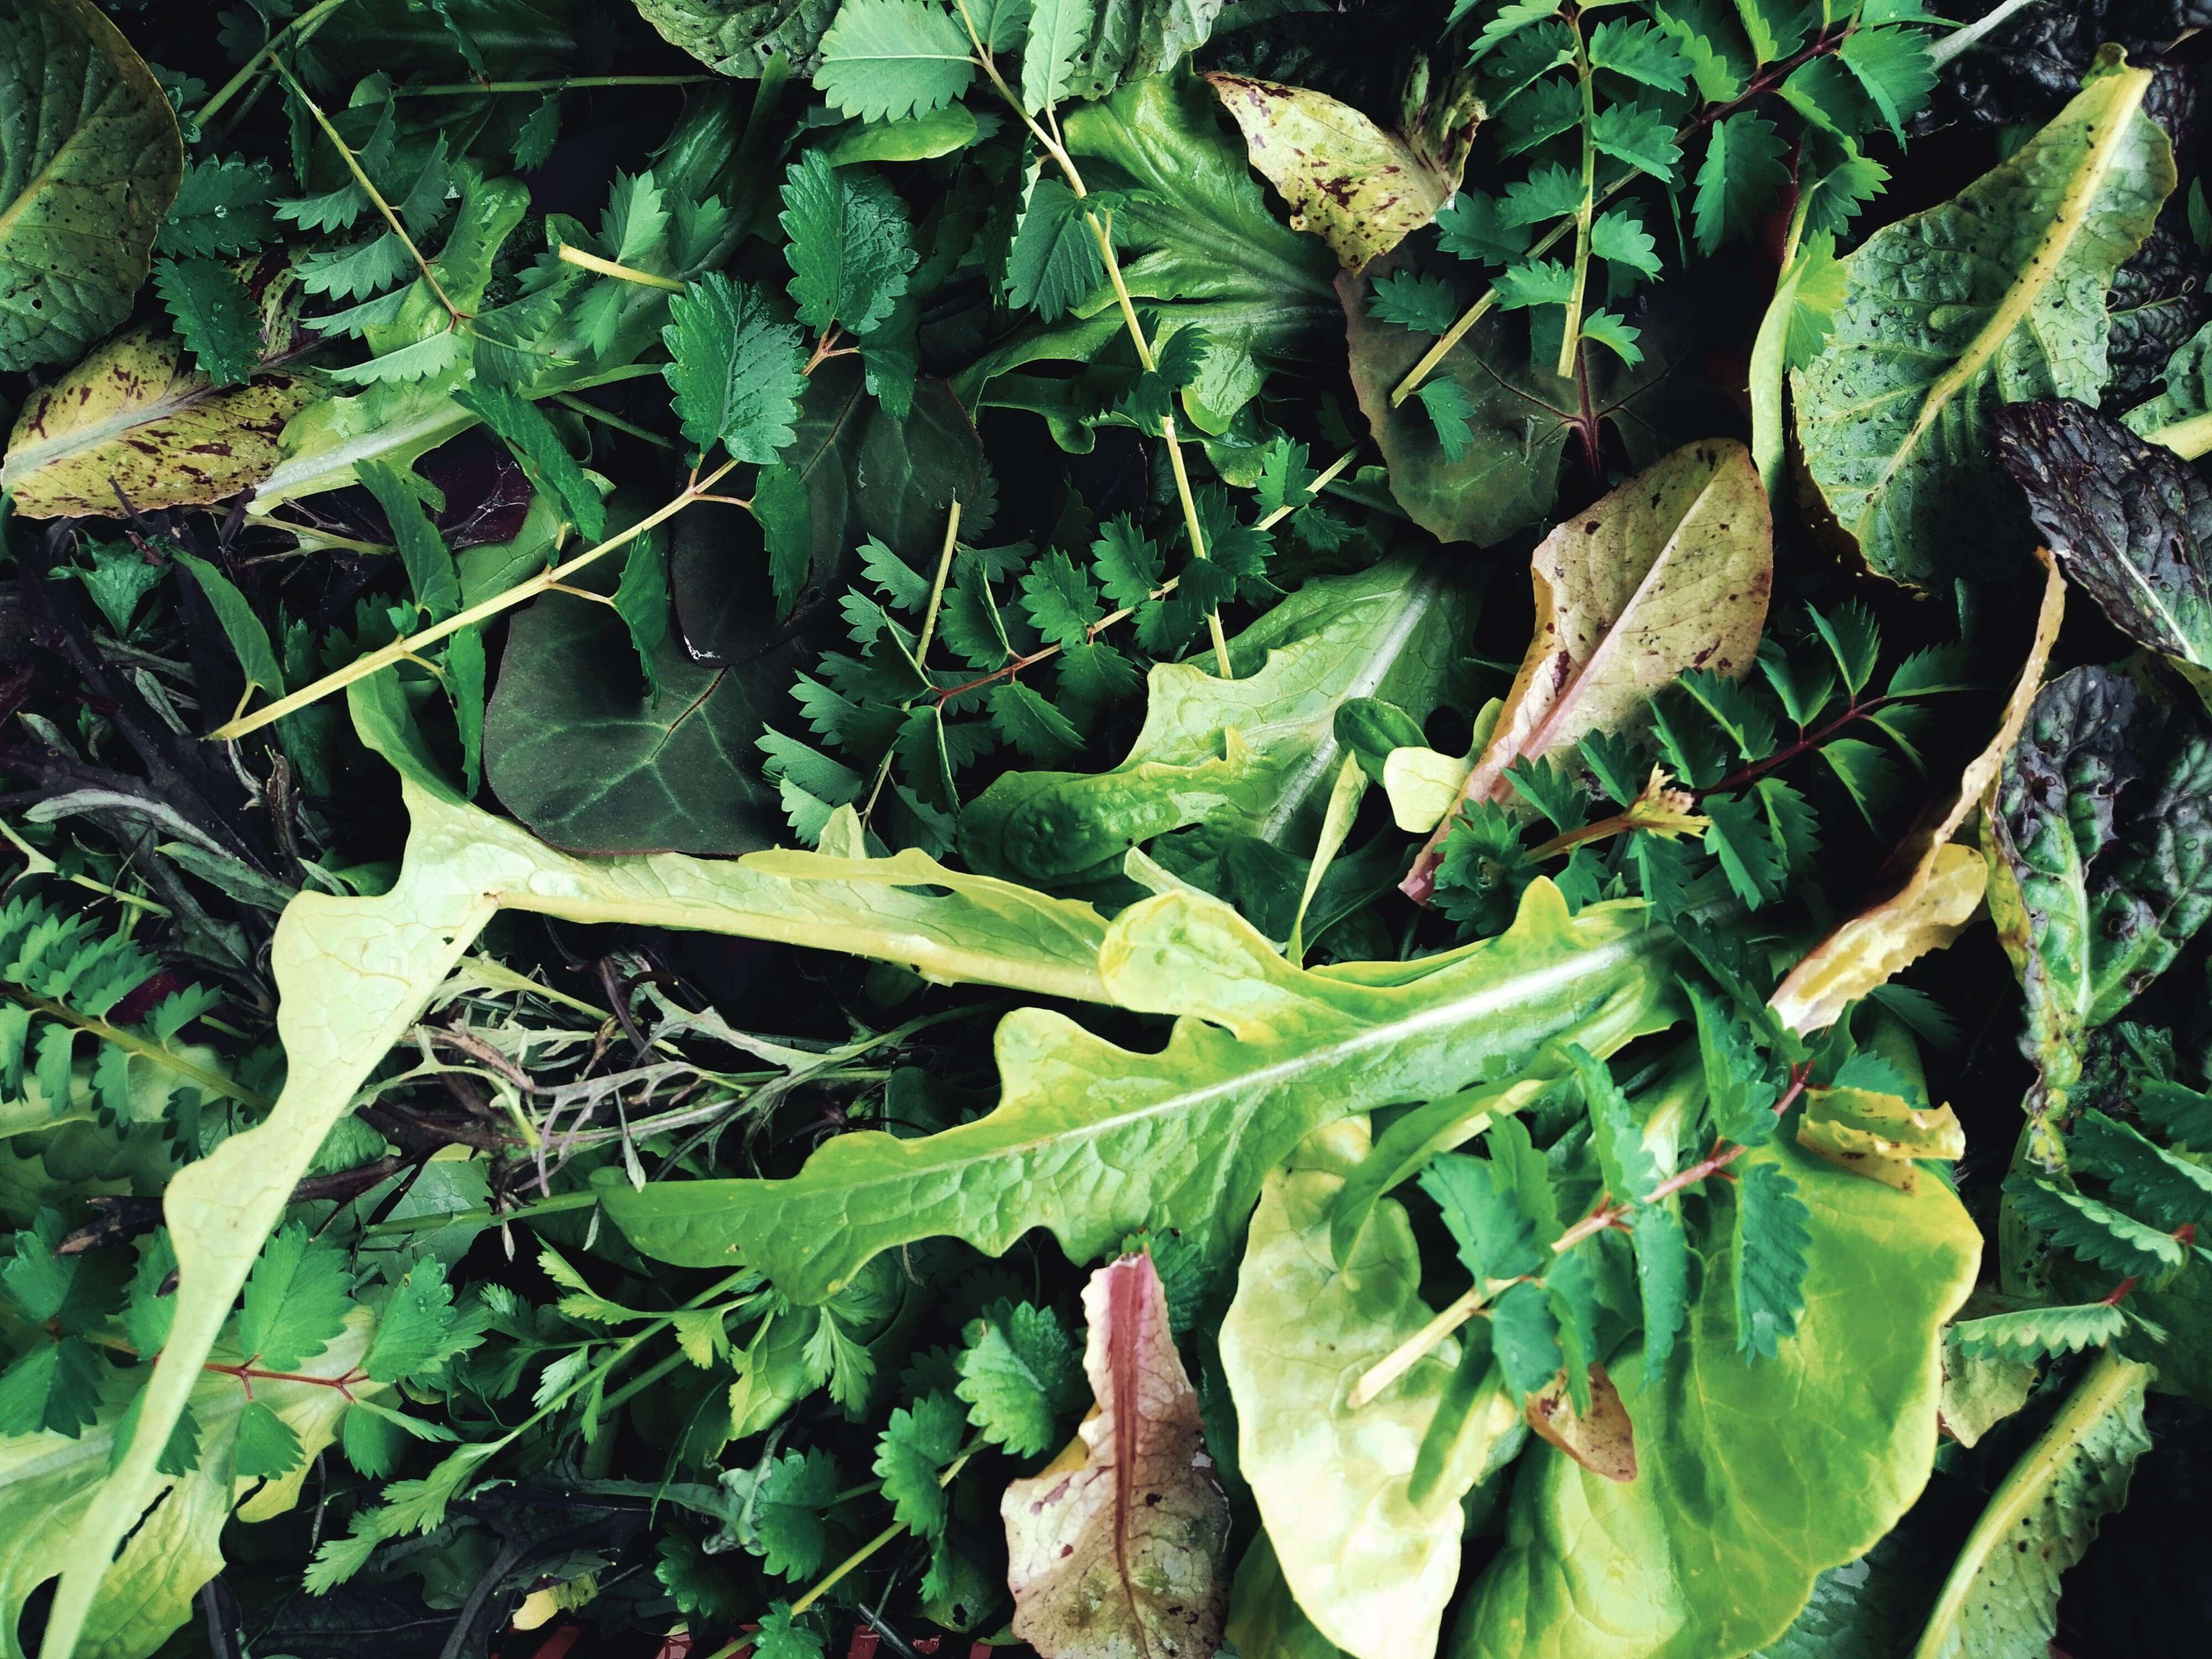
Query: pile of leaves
point(1121, 827)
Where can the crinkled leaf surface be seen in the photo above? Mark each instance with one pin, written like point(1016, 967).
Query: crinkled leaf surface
point(1668, 573)
point(1257, 754)
point(1369, 1569)
point(1754, 1478)
point(135, 416)
point(90, 162)
point(1362, 189)
point(738, 37)
point(1994, 297)
point(1092, 1140)
point(1117, 1549)
point(2128, 519)
point(2101, 858)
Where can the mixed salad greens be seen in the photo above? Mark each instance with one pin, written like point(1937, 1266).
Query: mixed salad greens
point(1132, 828)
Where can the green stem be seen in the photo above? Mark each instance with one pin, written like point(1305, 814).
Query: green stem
point(1571, 335)
point(592, 412)
point(130, 1043)
point(1102, 233)
point(1769, 361)
point(483, 611)
point(576, 256)
point(361, 177)
point(415, 1224)
point(461, 88)
point(305, 24)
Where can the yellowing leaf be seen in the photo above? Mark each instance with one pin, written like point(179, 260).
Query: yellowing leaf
point(1115, 1550)
point(1602, 1439)
point(1371, 1569)
point(91, 163)
point(1934, 887)
point(1878, 1135)
point(1361, 189)
point(136, 417)
point(1670, 572)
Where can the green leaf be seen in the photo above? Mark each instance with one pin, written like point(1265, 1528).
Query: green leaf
point(1753, 1479)
point(1772, 1258)
point(1054, 261)
point(51, 1484)
point(1424, 304)
point(2096, 1232)
point(887, 59)
point(734, 369)
point(222, 207)
point(1184, 1124)
point(544, 458)
point(2094, 883)
point(2144, 1176)
point(85, 179)
point(851, 248)
point(1521, 417)
point(1385, 632)
point(295, 1301)
point(1893, 419)
point(1511, 18)
point(1020, 1375)
point(1630, 1171)
point(1371, 1568)
point(780, 1506)
point(912, 1451)
point(418, 1330)
point(2001, 1596)
point(1741, 176)
point(782, 1637)
point(2032, 1332)
point(431, 574)
point(213, 315)
point(1638, 134)
point(1500, 1210)
point(1195, 235)
point(737, 37)
point(51, 1388)
point(1057, 30)
point(1641, 52)
point(267, 1447)
point(2183, 1114)
point(1894, 66)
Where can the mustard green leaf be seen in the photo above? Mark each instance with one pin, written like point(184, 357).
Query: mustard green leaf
point(1753, 1478)
point(1092, 1140)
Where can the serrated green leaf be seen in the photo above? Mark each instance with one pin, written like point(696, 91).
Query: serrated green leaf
point(850, 247)
point(888, 59)
point(733, 368)
point(215, 317)
point(1772, 1250)
point(2096, 1232)
point(295, 1301)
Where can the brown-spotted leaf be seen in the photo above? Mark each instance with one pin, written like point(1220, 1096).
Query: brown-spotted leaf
point(1602, 1439)
point(1363, 190)
point(1115, 1551)
point(1930, 888)
point(1878, 1135)
point(135, 416)
point(1670, 572)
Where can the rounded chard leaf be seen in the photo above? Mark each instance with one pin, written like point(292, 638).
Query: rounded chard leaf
point(91, 162)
